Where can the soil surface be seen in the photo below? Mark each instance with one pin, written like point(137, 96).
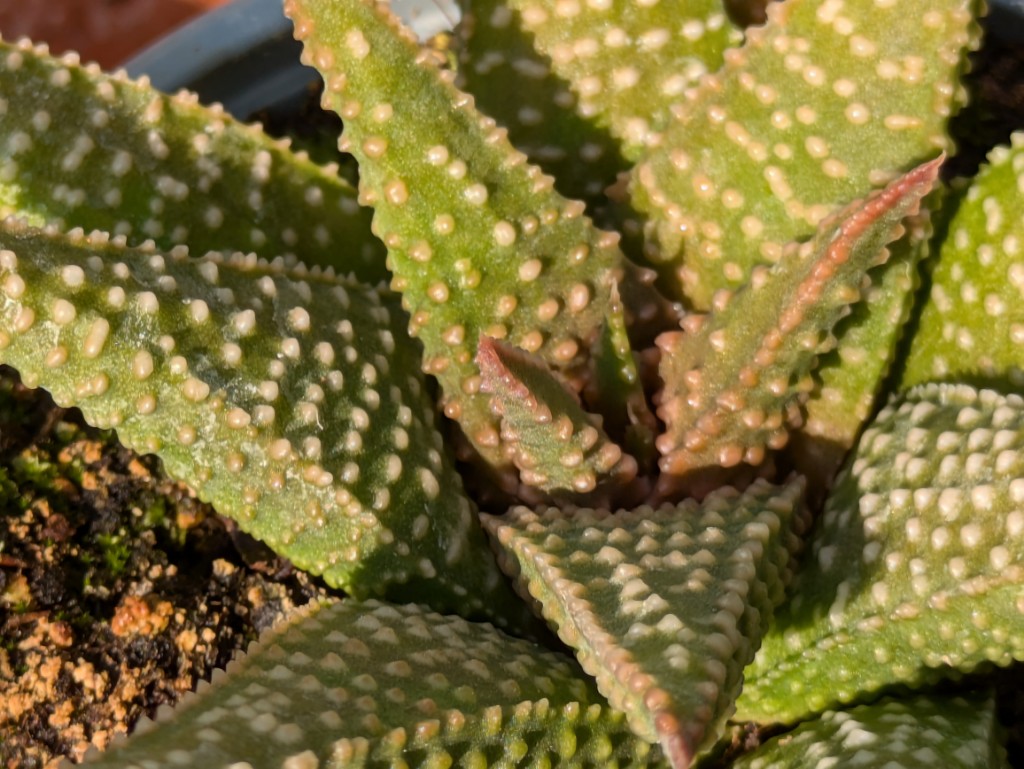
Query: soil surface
point(118, 589)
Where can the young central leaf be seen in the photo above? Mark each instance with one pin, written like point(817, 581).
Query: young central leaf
point(735, 378)
point(664, 607)
point(369, 684)
point(290, 399)
point(557, 446)
point(478, 240)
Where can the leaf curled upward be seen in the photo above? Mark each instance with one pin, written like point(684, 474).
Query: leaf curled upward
point(557, 446)
point(666, 635)
point(80, 148)
point(735, 379)
point(359, 684)
point(479, 242)
point(289, 398)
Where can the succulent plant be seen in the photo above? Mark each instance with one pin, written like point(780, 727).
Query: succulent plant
point(635, 379)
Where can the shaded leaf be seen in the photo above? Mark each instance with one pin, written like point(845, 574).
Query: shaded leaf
point(290, 399)
point(735, 380)
point(514, 84)
point(918, 733)
point(370, 684)
point(819, 105)
point(663, 607)
point(972, 326)
point(630, 63)
point(79, 148)
point(914, 570)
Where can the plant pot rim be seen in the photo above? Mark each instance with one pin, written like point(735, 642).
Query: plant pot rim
point(243, 55)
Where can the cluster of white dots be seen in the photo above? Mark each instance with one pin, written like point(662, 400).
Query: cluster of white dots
point(321, 409)
point(354, 675)
point(923, 539)
point(628, 67)
point(921, 732)
point(660, 620)
point(972, 323)
point(771, 113)
point(114, 135)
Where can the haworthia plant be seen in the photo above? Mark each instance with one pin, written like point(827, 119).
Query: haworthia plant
point(666, 636)
point(771, 178)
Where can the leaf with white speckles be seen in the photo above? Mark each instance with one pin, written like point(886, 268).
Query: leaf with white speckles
point(919, 733)
point(972, 326)
point(819, 105)
point(290, 399)
point(735, 380)
point(630, 62)
point(557, 446)
point(79, 148)
point(916, 567)
point(663, 607)
point(514, 84)
point(370, 684)
point(479, 242)
point(847, 380)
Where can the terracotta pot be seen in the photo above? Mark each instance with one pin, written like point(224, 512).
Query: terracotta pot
point(104, 31)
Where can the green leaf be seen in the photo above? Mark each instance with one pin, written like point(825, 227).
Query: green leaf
point(557, 446)
point(972, 326)
point(914, 571)
point(370, 684)
point(848, 379)
point(630, 63)
point(919, 733)
point(79, 148)
point(663, 607)
point(514, 84)
point(735, 380)
point(288, 398)
point(479, 242)
point(819, 105)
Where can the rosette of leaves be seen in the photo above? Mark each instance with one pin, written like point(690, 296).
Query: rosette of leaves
point(219, 301)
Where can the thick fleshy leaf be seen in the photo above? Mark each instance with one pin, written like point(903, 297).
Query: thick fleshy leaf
point(663, 607)
point(371, 684)
point(288, 398)
point(848, 379)
point(79, 148)
point(972, 326)
point(557, 446)
point(819, 105)
point(918, 733)
point(630, 63)
point(735, 380)
point(514, 84)
point(479, 242)
point(915, 568)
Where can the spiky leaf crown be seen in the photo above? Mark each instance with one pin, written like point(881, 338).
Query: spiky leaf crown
point(768, 181)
